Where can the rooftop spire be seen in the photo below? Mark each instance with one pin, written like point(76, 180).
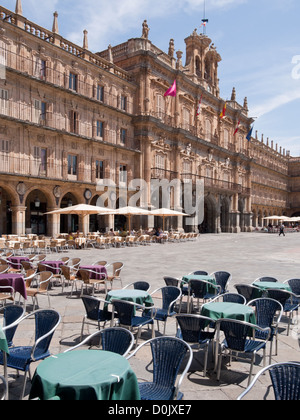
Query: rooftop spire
point(19, 10)
point(55, 23)
point(85, 40)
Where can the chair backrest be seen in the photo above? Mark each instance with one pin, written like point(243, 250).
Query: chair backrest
point(295, 286)
point(280, 295)
point(191, 326)
point(222, 279)
point(125, 311)
point(65, 260)
point(267, 279)
point(40, 258)
point(286, 381)
point(248, 291)
point(236, 333)
point(266, 309)
point(75, 262)
point(84, 275)
point(26, 265)
point(3, 268)
point(200, 273)
point(117, 340)
point(169, 294)
point(100, 263)
point(117, 267)
point(46, 321)
point(41, 267)
point(66, 271)
point(198, 288)
point(11, 314)
point(141, 285)
point(45, 278)
point(171, 281)
point(92, 306)
point(234, 298)
point(168, 354)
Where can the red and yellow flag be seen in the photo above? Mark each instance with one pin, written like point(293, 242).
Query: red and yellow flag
point(223, 113)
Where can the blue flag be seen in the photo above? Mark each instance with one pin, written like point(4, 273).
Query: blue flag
point(249, 135)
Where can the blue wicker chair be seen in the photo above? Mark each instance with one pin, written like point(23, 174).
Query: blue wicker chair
point(295, 288)
point(192, 331)
point(11, 315)
point(285, 379)
point(222, 279)
point(168, 354)
point(266, 279)
point(94, 313)
point(20, 358)
point(139, 285)
point(199, 289)
point(237, 341)
point(266, 310)
point(249, 292)
point(115, 339)
point(231, 298)
point(126, 313)
point(170, 295)
point(288, 300)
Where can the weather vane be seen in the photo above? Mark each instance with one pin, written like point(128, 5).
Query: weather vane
point(204, 20)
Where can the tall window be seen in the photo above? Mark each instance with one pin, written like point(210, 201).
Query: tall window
point(4, 155)
point(100, 129)
point(100, 93)
point(160, 163)
point(186, 117)
point(40, 160)
point(3, 101)
point(123, 136)
point(39, 116)
point(73, 82)
point(74, 122)
point(207, 130)
point(40, 68)
point(160, 106)
point(72, 164)
point(226, 139)
point(124, 103)
point(123, 174)
point(99, 169)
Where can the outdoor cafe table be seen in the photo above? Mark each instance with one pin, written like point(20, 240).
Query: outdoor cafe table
point(99, 271)
point(53, 266)
point(227, 310)
point(16, 281)
point(266, 285)
point(131, 295)
point(185, 280)
point(16, 262)
point(85, 375)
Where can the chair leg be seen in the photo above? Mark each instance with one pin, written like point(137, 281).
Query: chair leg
point(24, 385)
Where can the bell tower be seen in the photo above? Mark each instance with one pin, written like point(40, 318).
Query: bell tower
point(202, 60)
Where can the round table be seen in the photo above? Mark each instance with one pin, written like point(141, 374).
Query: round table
point(266, 285)
point(16, 262)
point(98, 272)
point(220, 310)
point(85, 375)
point(132, 295)
point(53, 266)
point(16, 281)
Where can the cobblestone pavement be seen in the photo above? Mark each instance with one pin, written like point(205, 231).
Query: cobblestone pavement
point(246, 256)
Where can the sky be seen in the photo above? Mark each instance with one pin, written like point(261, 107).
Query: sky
point(258, 40)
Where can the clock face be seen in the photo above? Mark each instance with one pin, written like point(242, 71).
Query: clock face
point(21, 188)
point(87, 194)
point(57, 192)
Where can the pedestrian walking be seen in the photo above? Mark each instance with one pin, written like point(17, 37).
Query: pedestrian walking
point(281, 230)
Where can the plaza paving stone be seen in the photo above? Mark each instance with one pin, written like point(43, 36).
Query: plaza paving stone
point(246, 256)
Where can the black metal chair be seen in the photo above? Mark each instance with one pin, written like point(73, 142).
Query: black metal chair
point(94, 313)
point(249, 292)
point(222, 279)
point(170, 295)
point(285, 378)
point(288, 300)
point(139, 285)
point(201, 289)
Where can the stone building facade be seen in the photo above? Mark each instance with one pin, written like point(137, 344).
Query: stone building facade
point(71, 119)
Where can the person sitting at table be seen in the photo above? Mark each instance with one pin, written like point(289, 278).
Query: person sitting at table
point(111, 232)
point(70, 236)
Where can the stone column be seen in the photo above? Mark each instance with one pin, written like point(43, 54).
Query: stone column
point(18, 220)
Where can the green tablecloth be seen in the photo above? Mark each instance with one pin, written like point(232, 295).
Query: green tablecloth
point(85, 375)
point(265, 285)
point(210, 279)
point(218, 310)
point(137, 296)
point(3, 342)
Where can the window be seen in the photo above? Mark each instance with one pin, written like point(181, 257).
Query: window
point(160, 166)
point(72, 165)
point(73, 82)
point(4, 155)
point(99, 169)
point(123, 136)
point(186, 119)
point(226, 139)
point(100, 93)
point(40, 68)
point(39, 116)
point(207, 130)
point(123, 174)
point(3, 101)
point(4, 144)
point(124, 103)
point(160, 106)
point(100, 129)
point(74, 122)
point(40, 160)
